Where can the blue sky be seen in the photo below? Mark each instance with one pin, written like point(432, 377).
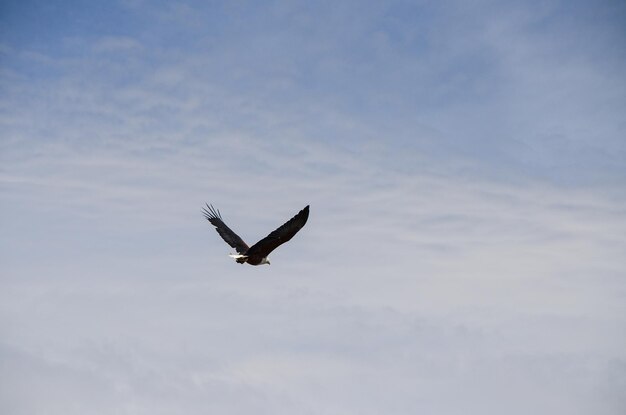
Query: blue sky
point(465, 169)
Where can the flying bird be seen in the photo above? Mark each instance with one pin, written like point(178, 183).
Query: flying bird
point(257, 253)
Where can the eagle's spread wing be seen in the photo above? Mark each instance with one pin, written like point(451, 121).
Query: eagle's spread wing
point(231, 238)
point(280, 235)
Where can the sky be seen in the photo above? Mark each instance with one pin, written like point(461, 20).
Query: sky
point(465, 167)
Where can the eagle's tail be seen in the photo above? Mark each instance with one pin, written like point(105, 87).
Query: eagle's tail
point(241, 259)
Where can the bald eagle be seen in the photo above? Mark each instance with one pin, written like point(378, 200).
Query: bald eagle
point(257, 253)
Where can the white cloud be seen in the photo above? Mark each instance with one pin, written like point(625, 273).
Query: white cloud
point(416, 286)
point(116, 44)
